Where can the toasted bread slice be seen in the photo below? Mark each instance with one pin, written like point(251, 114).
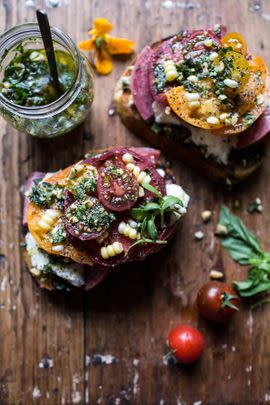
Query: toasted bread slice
point(167, 138)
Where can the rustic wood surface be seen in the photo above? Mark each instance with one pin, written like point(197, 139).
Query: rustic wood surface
point(127, 318)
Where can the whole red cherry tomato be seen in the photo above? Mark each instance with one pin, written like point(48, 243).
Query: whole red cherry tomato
point(186, 343)
point(217, 301)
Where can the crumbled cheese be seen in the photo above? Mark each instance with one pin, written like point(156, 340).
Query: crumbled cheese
point(73, 273)
point(217, 146)
point(161, 117)
point(177, 191)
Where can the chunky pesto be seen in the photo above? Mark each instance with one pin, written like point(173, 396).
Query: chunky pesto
point(27, 81)
point(59, 234)
point(89, 215)
point(45, 194)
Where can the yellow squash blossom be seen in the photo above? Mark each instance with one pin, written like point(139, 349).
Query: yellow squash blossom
point(103, 45)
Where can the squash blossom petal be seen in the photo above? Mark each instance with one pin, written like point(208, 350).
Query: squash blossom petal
point(102, 45)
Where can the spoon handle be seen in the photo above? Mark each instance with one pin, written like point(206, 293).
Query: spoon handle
point(46, 34)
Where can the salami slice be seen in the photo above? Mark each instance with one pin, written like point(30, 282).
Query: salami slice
point(140, 88)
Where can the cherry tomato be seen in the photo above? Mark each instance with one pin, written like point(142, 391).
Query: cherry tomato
point(186, 343)
point(217, 301)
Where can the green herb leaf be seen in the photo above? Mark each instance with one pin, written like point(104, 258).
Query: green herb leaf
point(152, 207)
point(151, 229)
point(138, 214)
point(240, 242)
point(152, 189)
point(245, 249)
point(170, 201)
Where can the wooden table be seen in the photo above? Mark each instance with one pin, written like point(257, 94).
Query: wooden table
point(126, 320)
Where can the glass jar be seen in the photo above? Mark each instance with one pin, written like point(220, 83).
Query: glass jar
point(67, 111)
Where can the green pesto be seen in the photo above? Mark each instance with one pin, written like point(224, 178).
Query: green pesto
point(27, 81)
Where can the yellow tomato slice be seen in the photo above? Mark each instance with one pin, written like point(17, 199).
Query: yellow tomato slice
point(194, 116)
point(240, 69)
point(235, 41)
point(34, 213)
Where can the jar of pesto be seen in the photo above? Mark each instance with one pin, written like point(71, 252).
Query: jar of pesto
point(28, 98)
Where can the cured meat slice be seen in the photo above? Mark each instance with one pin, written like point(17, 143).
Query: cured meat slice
point(257, 132)
point(140, 88)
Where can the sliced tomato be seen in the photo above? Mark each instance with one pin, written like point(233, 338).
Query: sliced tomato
point(198, 117)
point(34, 213)
point(86, 218)
point(82, 180)
point(240, 71)
point(118, 189)
point(235, 41)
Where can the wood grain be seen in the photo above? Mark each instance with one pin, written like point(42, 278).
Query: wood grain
point(129, 316)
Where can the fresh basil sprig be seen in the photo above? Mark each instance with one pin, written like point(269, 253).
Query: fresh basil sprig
point(149, 213)
point(244, 248)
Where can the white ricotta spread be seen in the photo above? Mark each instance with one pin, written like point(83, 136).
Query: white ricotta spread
point(217, 146)
point(73, 273)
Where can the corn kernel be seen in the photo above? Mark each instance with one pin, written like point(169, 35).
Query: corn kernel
point(208, 43)
point(57, 248)
point(127, 158)
point(141, 177)
point(121, 227)
point(132, 233)
point(130, 167)
point(43, 225)
point(233, 84)
point(136, 171)
point(110, 250)
point(194, 104)
point(147, 179)
point(104, 253)
point(213, 120)
point(192, 96)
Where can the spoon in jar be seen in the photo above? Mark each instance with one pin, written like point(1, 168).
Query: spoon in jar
point(46, 34)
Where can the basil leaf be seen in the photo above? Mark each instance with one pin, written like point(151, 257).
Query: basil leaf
point(151, 229)
point(138, 214)
point(239, 251)
point(144, 226)
point(240, 242)
point(170, 201)
point(260, 288)
point(151, 189)
point(152, 207)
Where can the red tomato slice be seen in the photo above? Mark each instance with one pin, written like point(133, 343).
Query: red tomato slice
point(118, 189)
point(86, 219)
